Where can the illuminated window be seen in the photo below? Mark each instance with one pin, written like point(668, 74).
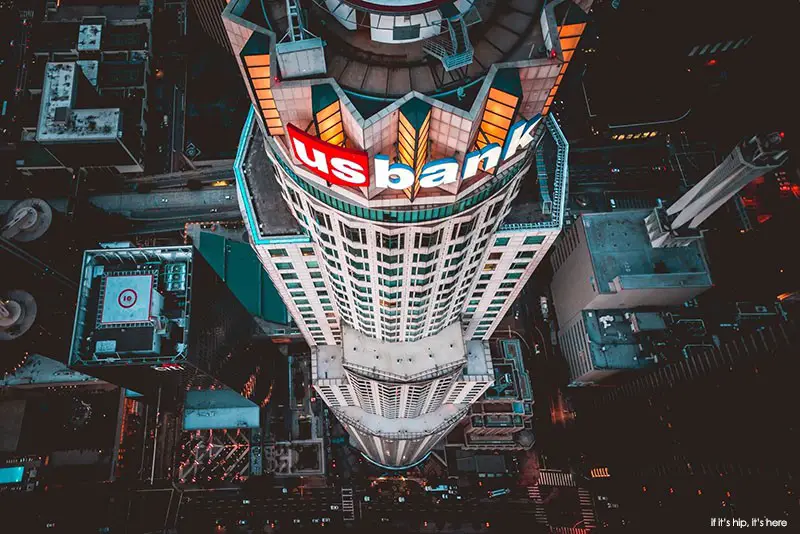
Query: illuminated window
point(256, 60)
point(502, 105)
point(413, 133)
point(327, 114)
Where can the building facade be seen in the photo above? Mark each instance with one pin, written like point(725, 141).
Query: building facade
point(399, 211)
point(209, 15)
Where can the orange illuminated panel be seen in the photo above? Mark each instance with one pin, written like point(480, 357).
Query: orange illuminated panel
point(328, 111)
point(497, 117)
point(413, 133)
point(569, 43)
point(503, 97)
point(571, 30)
point(261, 60)
point(328, 122)
point(258, 71)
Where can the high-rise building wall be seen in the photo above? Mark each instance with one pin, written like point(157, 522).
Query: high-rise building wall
point(409, 221)
point(209, 15)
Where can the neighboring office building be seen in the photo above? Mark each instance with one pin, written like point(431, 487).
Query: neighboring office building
point(86, 90)
point(380, 274)
point(160, 322)
point(598, 344)
point(638, 259)
point(605, 261)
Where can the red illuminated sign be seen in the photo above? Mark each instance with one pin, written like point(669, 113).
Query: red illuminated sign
point(332, 163)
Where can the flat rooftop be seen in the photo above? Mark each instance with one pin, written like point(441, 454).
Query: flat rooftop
point(428, 423)
point(430, 357)
point(59, 118)
point(620, 247)
point(39, 370)
point(133, 305)
point(613, 343)
point(271, 213)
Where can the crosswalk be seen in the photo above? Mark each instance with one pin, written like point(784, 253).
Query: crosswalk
point(555, 478)
point(587, 508)
point(535, 495)
point(348, 508)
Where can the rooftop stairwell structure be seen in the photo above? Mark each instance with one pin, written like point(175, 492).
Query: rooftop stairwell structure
point(452, 47)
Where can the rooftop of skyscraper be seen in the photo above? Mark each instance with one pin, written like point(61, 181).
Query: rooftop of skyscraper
point(377, 73)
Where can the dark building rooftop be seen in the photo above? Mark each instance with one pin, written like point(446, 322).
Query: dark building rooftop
point(271, 212)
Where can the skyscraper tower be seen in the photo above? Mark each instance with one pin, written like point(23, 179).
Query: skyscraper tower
point(678, 224)
point(397, 146)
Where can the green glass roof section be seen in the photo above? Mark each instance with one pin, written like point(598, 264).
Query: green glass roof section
point(238, 266)
point(322, 96)
point(507, 80)
point(415, 111)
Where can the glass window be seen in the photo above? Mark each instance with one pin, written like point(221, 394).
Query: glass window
point(391, 241)
point(289, 276)
point(513, 276)
point(316, 274)
point(277, 252)
point(525, 254)
point(307, 251)
point(507, 285)
point(312, 265)
point(427, 240)
point(494, 256)
point(319, 284)
point(486, 277)
point(501, 241)
point(534, 240)
point(519, 265)
point(293, 285)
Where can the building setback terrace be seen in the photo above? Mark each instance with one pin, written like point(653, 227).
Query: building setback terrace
point(429, 357)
